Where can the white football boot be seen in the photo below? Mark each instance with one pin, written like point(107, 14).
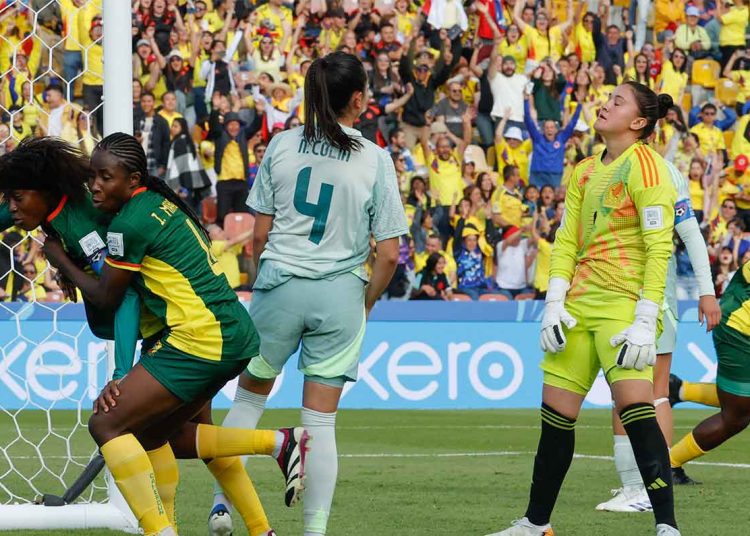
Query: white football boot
point(662, 529)
point(627, 499)
point(524, 527)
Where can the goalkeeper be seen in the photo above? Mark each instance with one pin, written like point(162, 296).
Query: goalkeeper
point(607, 277)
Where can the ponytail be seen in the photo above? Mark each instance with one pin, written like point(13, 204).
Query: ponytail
point(131, 156)
point(330, 83)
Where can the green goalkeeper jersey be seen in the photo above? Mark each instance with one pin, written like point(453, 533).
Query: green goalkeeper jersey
point(615, 239)
point(178, 278)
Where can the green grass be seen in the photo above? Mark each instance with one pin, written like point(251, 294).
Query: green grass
point(406, 487)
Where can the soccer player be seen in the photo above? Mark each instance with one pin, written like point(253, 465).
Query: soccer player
point(44, 180)
point(322, 190)
point(732, 343)
point(155, 242)
point(607, 276)
point(632, 496)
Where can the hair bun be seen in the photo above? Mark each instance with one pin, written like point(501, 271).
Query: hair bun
point(665, 103)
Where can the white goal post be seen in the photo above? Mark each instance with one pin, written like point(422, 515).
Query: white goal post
point(19, 511)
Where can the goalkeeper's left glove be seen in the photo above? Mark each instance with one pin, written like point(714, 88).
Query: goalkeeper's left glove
point(639, 339)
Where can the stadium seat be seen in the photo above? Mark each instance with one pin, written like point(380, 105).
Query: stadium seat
point(460, 297)
point(687, 101)
point(236, 223)
point(491, 157)
point(474, 153)
point(244, 295)
point(706, 73)
point(493, 297)
point(208, 210)
point(728, 137)
point(727, 91)
point(526, 296)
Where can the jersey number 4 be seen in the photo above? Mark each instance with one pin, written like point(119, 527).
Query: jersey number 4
point(319, 211)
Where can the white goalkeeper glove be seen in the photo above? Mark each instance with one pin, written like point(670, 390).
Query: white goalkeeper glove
point(639, 339)
point(552, 337)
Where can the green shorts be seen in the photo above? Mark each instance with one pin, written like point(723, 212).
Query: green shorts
point(733, 353)
point(588, 350)
point(668, 340)
point(325, 316)
point(188, 377)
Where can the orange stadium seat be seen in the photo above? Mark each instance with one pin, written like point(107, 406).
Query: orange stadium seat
point(236, 223)
point(460, 297)
point(526, 296)
point(208, 210)
point(706, 73)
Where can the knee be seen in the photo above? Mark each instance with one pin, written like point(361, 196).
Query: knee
point(734, 423)
point(101, 429)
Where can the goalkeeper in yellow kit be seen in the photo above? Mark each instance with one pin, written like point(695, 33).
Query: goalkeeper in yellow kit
point(607, 276)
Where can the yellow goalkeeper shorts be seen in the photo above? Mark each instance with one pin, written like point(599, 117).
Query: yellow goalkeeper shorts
point(588, 350)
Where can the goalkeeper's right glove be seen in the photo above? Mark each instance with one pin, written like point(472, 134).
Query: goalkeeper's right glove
point(552, 337)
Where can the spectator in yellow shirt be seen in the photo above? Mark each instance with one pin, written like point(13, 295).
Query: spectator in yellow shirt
point(226, 250)
point(738, 70)
point(711, 137)
point(515, 45)
point(741, 140)
point(509, 197)
point(543, 41)
point(512, 149)
point(740, 177)
point(733, 16)
point(668, 14)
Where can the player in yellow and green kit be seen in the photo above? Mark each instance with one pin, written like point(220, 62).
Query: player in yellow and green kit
point(607, 276)
point(732, 343)
point(156, 244)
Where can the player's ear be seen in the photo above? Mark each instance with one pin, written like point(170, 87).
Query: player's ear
point(134, 180)
point(638, 123)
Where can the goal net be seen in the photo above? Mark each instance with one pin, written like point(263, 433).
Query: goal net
point(51, 365)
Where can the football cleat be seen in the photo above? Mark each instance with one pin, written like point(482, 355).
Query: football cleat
point(524, 527)
point(219, 521)
point(662, 529)
point(628, 499)
point(674, 389)
point(680, 478)
point(292, 462)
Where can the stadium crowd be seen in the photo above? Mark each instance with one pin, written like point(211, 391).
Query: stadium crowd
point(485, 106)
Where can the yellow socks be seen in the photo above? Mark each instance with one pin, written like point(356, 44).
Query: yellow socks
point(234, 480)
point(132, 471)
point(684, 451)
point(219, 442)
point(167, 476)
point(700, 393)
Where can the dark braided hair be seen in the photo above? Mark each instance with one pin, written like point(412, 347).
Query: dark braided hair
point(132, 157)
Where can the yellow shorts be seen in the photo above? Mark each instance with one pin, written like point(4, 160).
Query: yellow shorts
point(588, 350)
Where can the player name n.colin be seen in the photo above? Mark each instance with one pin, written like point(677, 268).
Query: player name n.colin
point(323, 148)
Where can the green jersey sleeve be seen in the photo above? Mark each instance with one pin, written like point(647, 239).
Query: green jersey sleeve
point(126, 246)
point(388, 219)
point(655, 201)
point(6, 220)
point(127, 320)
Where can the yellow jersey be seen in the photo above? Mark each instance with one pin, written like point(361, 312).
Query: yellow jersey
point(615, 239)
point(711, 137)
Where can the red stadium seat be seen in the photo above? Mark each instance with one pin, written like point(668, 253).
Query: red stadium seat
point(236, 223)
point(460, 297)
point(493, 297)
point(208, 210)
point(244, 295)
point(526, 296)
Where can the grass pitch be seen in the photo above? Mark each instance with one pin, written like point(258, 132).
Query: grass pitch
point(431, 473)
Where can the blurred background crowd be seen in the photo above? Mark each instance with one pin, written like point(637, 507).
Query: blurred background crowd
point(484, 105)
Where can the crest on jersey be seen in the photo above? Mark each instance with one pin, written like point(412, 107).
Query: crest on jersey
point(91, 243)
point(115, 244)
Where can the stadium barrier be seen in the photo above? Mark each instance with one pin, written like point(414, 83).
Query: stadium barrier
point(416, 355)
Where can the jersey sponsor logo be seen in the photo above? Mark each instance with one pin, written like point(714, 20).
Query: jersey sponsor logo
point(115, 244)
point(683, 211)
point(653, 218)
point(91, 243)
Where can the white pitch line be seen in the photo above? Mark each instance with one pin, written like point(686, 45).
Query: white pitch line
point(490, 454)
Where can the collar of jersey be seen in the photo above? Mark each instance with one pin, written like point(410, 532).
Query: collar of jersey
point(138, 191)
point(57, 210)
